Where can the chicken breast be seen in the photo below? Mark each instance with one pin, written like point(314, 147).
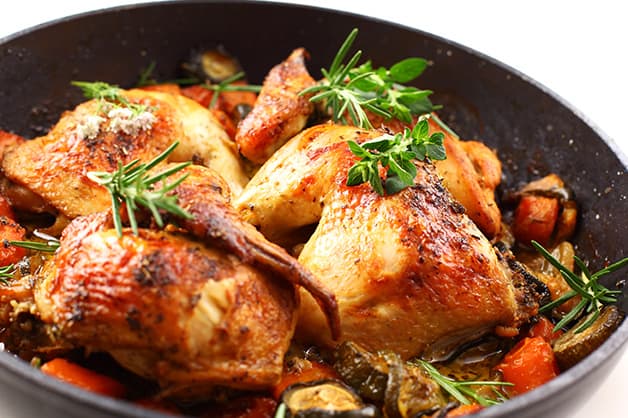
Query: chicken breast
point(407, 270)
point(97, 136)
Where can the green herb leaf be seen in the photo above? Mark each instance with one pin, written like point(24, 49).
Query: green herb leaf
point(227, 85)
point(396, 154)
point(6, 272)
point(351, 89)
point(133, 185)
point(108, 93)
point(594, 295)
point(46, 247)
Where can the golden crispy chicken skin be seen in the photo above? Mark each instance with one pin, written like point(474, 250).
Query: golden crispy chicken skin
point(407, 270)
point(279, 112)
point(96, 136)
point(189, 315)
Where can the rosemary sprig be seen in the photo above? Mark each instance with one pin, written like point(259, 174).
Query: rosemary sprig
point(44, 247)
point(6, 272)
point(108, 93)
point(395, 152)
point(461, 390)
point(354, 90)
point(227, 85)
point(133, 185)
point(593, 294)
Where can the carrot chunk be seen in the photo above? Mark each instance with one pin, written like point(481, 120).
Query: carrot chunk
point(535, 219)
point(529, 364)
point(10, 231)
point(84, 378)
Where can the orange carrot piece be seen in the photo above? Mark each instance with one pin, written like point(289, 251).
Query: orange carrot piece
point(199, 94)
point(529, 364)
point(535, 219)
point(463, 410)
point(314, 371)
point(84, 378)
point(10, 231)
point(544, 329)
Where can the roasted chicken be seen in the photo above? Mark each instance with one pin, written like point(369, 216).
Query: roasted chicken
point(208, 305)
point(97, 136)
point(280, 111)
point(408, 270)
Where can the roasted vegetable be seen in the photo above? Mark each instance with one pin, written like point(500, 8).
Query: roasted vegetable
point(214, 65)
point(365, 372)
point(403, 390)
point(301, 370)
point(546, 212)
point(572, 347)
point(325, 399)
point(529, 364)
point(85, 378)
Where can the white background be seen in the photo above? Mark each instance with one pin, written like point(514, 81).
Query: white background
point(576, 48)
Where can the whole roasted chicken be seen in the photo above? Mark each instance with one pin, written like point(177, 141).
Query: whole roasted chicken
point(408, 270)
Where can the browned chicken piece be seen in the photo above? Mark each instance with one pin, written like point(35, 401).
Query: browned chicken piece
point(471, 172)
point(171, 309)
point(97, 136)
point(190, 313)
point(279, 112)
point(408, 270)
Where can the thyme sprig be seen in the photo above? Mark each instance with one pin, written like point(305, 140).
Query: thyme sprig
point(227, 85)
point(6, 272)
point(396, 153)
point(108, 93)
point(351, 89)
point(133, 185)
point(462, 391)
point(593, 294)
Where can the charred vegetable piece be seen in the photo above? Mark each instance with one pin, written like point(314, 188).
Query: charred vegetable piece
point(528, 365)
point(325, 399)
point(404, 390)
point(572, 347)
point(365, 372)
point(410, 391)
point(215, 65)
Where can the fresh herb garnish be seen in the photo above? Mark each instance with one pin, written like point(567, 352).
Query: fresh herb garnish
point(593, 294)
point(461, 390)
point(281, 411)
point(45, 247)
point(227, 85)
point(348, 88)
point(108, 93)
point(133, 185)
point(6, 272)
point(395, 152)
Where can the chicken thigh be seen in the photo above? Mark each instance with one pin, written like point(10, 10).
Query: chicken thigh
point(408, 270)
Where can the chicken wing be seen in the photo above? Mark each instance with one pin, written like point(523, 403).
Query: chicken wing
point(279, 112)
point(97, 137)
point(408, 270)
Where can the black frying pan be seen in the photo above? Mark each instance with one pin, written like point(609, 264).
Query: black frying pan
point(487, 101)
